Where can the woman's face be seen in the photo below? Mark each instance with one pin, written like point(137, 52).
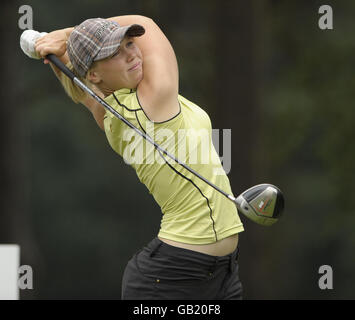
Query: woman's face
point(122, 70)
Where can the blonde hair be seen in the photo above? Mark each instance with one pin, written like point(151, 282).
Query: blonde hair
point(73, 91)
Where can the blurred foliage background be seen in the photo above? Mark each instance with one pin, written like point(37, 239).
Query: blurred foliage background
point(262, 68)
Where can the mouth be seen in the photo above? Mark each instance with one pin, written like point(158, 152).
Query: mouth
point(135, 66)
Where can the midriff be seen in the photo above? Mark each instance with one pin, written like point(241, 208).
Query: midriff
point(219, 248)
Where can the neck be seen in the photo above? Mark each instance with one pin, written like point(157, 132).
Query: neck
point(106, 91)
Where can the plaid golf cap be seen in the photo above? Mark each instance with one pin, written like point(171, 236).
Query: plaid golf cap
point(96, 39)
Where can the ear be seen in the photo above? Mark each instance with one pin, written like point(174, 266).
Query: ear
point(93, 76)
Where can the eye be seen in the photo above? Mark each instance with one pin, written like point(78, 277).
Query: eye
point(129, 43)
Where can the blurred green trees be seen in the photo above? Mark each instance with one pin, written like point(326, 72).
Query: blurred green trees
point(263, 69)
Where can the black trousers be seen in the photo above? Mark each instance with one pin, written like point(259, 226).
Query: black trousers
point(163, 272)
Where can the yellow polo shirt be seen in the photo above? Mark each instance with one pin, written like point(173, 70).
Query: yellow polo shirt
point(193, 212)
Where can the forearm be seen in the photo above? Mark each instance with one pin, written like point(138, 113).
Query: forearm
point(122, 20)
point(68, 31)
point(129, 19)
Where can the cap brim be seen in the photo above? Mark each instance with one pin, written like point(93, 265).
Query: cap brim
point(113, 42)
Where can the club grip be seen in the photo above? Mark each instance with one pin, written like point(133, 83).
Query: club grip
point(55, 60)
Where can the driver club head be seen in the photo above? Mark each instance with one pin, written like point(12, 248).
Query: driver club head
point(263, 204)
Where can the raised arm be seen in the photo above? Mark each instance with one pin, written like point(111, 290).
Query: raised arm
point(55, 42)
point(157, 91)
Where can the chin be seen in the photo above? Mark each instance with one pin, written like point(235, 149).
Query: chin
point(138, 82)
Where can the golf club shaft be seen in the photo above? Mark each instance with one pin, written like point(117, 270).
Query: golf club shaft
point(55, 60)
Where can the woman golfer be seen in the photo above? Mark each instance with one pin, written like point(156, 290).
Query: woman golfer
point(130, 63)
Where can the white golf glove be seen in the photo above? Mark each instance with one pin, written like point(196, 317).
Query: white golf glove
point(27, 42)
